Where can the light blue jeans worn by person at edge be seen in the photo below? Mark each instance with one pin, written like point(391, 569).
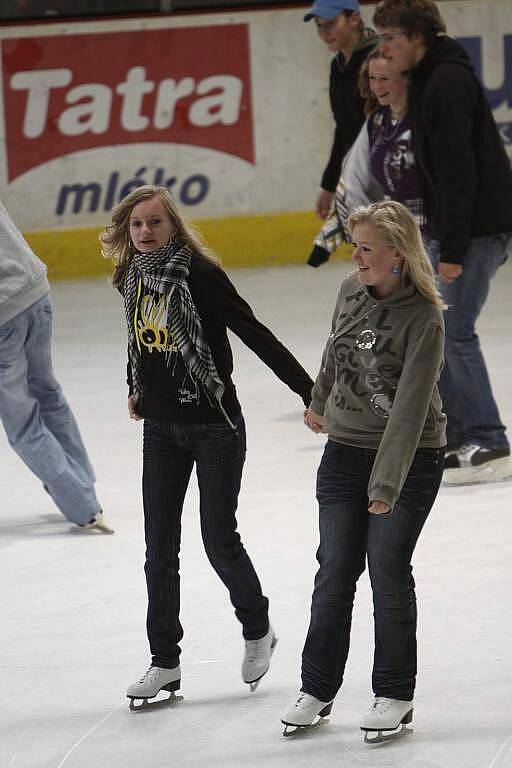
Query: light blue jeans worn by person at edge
point(37, 419)
point(464, 386)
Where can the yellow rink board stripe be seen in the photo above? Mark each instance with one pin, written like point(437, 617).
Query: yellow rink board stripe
point(240, 241)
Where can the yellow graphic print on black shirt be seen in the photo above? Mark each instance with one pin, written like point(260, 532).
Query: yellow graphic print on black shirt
point(153, 334)
point(152, 325)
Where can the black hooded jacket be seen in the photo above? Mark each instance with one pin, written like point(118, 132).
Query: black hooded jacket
point(347, 106)
point(462, 165)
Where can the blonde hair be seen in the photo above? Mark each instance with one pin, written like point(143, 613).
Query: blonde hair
point(397, 228)
point(115, 238)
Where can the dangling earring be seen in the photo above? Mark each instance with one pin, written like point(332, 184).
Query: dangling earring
point(395, 269)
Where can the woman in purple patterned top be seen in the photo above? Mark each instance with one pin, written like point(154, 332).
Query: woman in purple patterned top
point(381, 162)
point(390, 136)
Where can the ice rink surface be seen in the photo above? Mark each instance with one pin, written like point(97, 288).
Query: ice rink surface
point(72, 622)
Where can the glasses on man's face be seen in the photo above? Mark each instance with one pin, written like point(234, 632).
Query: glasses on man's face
point(388, 37)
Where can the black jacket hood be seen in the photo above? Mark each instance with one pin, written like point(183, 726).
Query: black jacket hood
point(463, 169)
point(445, 50)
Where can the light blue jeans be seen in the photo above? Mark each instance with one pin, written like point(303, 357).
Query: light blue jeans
point(36, 416)
point(464, 386)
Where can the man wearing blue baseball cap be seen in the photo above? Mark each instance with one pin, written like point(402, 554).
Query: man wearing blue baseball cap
point(329, 9)
point(340, 26)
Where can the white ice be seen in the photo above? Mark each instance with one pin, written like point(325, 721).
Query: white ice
point(72, 622)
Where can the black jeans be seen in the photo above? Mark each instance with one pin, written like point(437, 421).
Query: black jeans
point(349, 534)
point(170, 451)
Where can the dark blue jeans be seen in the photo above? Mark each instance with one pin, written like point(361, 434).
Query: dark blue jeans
point(170, 451)
point(464, 385)
point(349, 535)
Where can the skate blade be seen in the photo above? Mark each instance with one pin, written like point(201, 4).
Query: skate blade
point(497, 471)
point(298, 730)
point(146, 704)
point(254, 683)
point(383, 736)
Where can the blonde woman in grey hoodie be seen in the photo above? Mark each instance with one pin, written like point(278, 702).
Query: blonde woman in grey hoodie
point(376, 398)
point(36, 417)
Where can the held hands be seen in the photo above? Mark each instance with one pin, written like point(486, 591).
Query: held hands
point(132, 409)
point(324, 203)
point(449, 272)
point(313, 421)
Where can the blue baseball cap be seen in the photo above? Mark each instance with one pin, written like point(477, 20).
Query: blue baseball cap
point(329, 9)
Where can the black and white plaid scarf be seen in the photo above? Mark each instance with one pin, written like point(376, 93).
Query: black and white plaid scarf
point(165, 270)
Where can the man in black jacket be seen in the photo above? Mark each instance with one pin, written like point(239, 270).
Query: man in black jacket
point(339, 25)
point(466, 183)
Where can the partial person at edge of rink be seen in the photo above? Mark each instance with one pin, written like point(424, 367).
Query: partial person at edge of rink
point(377, 400)
point(179, 303)
point(37, 419)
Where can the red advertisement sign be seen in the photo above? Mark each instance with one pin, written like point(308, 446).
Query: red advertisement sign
point(74, 92)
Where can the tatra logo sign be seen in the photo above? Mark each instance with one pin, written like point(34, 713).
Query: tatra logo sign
point(182, 86)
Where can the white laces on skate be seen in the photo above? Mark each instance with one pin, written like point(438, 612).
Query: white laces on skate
point(382, 704)
point(150, 675)
point(256, 649)
point(304, 700)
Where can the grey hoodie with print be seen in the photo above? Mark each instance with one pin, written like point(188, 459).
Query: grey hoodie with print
point(377, 386)
point(23, 278)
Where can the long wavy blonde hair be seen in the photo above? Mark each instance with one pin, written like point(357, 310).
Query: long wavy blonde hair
point(115, 238)
point(397, 228)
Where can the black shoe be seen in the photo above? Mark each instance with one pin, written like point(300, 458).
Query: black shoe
point(318, 256)
point(470, 455)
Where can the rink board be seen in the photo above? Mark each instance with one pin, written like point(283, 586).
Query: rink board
point(239, 133)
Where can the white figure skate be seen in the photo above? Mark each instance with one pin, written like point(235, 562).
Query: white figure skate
point(386, 720)
point(97, 525)
point(153, 681)
point(304, 712)
point(257, 656)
